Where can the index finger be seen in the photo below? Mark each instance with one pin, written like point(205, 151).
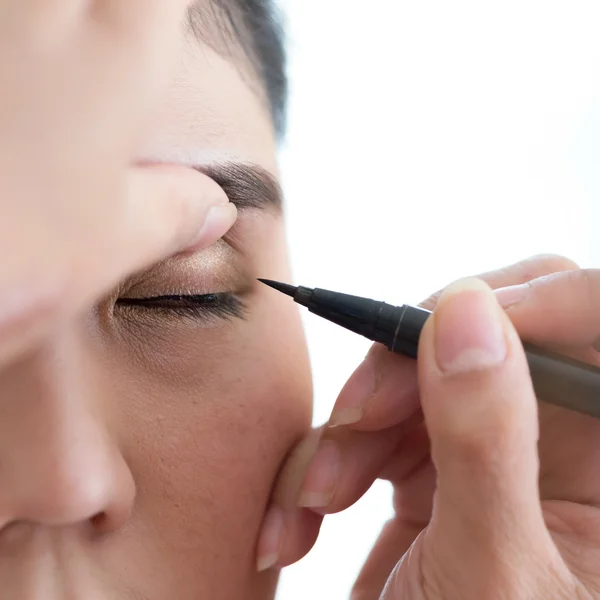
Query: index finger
point(517, 273)
point(561, 309)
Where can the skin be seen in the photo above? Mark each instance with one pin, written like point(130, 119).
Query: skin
point(139, 449)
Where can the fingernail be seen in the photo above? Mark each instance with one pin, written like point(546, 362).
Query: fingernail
point(350, 405)
point(269, 541)
point(217, 223)
point(345, 416)
point(509, 296)
point(322, 476)
point(469, 332)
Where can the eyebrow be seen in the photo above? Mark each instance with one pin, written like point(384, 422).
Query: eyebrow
point(246, 185)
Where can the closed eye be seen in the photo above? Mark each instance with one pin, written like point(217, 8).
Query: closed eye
point(198, 306)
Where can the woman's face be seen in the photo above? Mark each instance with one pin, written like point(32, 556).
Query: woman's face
point(139, 446)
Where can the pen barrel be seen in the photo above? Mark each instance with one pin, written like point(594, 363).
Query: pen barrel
point(396, 327)
point(404, 327)
point(556, 379)
point(564, 382)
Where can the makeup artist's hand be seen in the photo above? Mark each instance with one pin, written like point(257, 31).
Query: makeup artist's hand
point(481, 510)
point(79, 79)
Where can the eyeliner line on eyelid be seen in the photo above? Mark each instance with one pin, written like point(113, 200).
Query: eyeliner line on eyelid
point(195, 298)
point(199, 306)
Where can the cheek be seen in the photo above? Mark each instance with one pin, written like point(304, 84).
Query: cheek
point(206, 426)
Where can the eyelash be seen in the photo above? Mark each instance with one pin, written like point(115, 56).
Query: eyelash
point(202, 307)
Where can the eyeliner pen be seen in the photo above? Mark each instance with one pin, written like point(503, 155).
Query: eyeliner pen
point(556, 379)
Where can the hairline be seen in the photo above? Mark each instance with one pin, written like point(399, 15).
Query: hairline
point(221, 25)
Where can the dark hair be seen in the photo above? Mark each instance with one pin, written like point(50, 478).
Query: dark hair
point(257, 27)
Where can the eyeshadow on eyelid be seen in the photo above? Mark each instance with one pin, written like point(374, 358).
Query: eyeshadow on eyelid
point(216, 269)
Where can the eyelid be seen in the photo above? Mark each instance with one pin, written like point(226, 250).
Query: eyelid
point(211, 270)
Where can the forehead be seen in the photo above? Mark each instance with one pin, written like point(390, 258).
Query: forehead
point(213, 108)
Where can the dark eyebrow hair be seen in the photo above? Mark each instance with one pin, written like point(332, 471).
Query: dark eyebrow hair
point(246, 185)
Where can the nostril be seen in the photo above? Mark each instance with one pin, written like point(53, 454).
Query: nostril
point(114, 517)
point(104, 522)
point(100, 521)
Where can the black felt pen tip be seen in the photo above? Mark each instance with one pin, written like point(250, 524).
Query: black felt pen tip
point(284, 288)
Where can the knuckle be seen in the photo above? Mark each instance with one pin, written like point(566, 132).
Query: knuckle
point(548, 263)
point(528, 270)
point(432, 301)
point(486, 437)
point(580, 283)
point(588, 280)
point(471, 448)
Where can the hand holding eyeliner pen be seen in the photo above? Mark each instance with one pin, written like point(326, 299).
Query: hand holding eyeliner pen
point(556, 379)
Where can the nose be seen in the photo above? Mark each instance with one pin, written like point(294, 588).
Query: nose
point(59, 463)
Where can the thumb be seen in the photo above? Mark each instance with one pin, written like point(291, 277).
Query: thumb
point(481, 414)
point(168, 209)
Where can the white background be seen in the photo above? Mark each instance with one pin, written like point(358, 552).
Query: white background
point(429, 139)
